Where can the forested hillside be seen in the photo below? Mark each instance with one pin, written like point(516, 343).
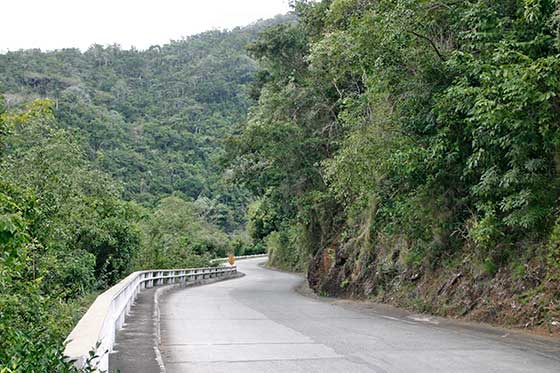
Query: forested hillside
point(408, 152)
point(405, 151)
point(110, 163)
point(154, 119)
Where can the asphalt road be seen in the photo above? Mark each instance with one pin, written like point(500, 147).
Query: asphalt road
point(259, 323)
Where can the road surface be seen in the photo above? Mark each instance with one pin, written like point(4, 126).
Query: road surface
point(259, 323)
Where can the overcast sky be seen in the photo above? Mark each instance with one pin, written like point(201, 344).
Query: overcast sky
point(79, 23)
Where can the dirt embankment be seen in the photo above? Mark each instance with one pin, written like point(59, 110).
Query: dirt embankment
point(522, 296)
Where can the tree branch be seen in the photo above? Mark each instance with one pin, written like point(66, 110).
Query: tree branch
point(431, 43)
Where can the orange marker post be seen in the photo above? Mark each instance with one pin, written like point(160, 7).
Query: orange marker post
point(231, 260)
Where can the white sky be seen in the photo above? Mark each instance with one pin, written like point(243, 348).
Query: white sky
point(54, 24)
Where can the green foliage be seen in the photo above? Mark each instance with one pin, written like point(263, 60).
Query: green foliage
point(110, 162)
point(177, 237)
point(283, 249)
point(30, 326)
point(490, 267)
point(553, 259)
point(261, 219)
point(444, 113)
point(113, 241)
point(79, 218)
point(431, 124)
point(155, 119)
point(65, 232)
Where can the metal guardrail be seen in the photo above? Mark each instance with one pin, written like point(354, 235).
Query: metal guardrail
point(241, 257)
point(97, 329)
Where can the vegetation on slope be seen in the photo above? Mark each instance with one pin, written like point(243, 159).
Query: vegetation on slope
point(109, 164)
point(401, 150)
point(407, 151)
point(152, 119)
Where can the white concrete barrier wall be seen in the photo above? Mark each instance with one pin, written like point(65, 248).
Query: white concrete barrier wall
point(106, 315)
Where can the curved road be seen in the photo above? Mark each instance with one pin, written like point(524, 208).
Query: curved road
point(258, 323)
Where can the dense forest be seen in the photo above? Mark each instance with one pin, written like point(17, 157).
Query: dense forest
point(404, 151)
point(111, 161)
point(408, 152)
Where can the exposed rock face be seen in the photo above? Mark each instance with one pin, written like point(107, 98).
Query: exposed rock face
point(526, 296)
